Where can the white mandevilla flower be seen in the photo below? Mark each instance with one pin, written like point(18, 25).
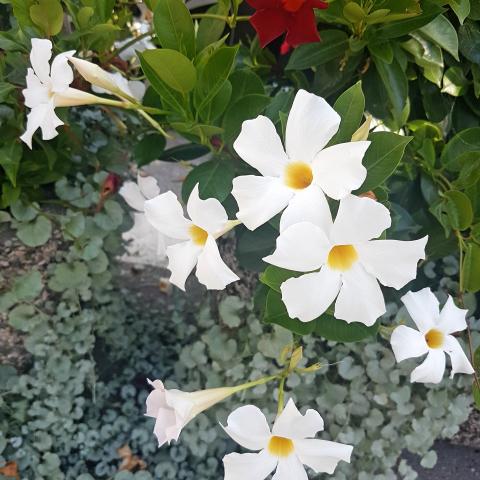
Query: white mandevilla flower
point(350, 262)
point(286, 449)
point(131, 88)
point(173, 409)
point(49, 87)
point(433, 337)
point(196, 238)
point(148, 241)
point(305, 165)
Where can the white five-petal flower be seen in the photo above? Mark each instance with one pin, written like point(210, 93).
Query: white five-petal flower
point(286, 449)
point(173, 409)
point(350, 262)
point(49, 87)
point(433, 337)
point(196, 238)
point(147, 239)
point(304, 164)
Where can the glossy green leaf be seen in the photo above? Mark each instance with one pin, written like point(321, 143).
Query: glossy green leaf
point(471, 267)
point(245, 82)
point(469, 41)
point(383, 51)
point(10, 156)
point(461, 9)
point(190, 151)
point(252, 246)
point(211, 29)
point(459, 209)
point(382, 157)
point(274, 276)
point(454, 82)
point(465, 141)
point(174, 27)
point(443, 33)
point(48, 16)
point(334, 43)
point(149, 148)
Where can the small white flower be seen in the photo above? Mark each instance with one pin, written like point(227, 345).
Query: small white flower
point(196, 238)
point(286, 449)
point(305, 165)
point(173, 409)
point(350, 262)
point(434, 337)
point(47, 88)
point(131, 88)
point(148, 240)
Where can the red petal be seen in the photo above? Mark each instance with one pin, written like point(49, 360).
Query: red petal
point(302, 27)
point(284, 48)
point(269, 24)
point(262, 4)
point(318, 4)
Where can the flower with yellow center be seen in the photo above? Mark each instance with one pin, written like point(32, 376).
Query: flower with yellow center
point(195, 238)
point(340, 260)
point(433, 337)
point(285, 449)
point(305, 165)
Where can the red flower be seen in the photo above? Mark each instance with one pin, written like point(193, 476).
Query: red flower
point(296, 17)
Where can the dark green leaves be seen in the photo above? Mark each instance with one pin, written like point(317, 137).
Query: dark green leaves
point(10, 156)
point(471, 268)
point(465, 141)
point(149, 148)
point(458, 209)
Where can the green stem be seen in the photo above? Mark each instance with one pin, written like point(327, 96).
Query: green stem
point(231, 19)
point(153, 123)
point(281, 395)
point(254, 383)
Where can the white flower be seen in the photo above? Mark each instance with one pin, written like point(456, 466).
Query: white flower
point(350, 262)
point(306, 164)
point(145, 43)
point(148, 240)
point(285, 449)
point(196, 238)
point(434, 337)
point(47, 88)
point(173, 409)
point(131, 88)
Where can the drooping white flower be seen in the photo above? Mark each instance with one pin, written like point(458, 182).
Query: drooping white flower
point(131, 88)
point(49, 87)
point(302, 166)
point(286, 448)
point(173, 409)
point(148, 241)
point(196, 238)
point(433, 337)
point(350, 262)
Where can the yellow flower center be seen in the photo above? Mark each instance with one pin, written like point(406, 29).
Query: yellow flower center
point(434, 338)
point(342, 257)
point(298, 175)
point(280, 446)
point(198, 235)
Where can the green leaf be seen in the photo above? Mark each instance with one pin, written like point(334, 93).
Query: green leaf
point(27, 287)
point(382, 157)
point(443, 33)
point(10, 156)
point(466, 141)
point(476, 395)
point(173, 68)
point(211, 29)
point(190, 151)
point(469, 41)
point(214, 178)
point(471, 268)
point(6, 89)
point(243, 109)
point(149, 148)
point(350, 106)
point(461, 9)
point(383, 51)
point(218, 104)
point(174, 27)
point(334, 44)
point(274, 276)
point(35, 233)
point(69, 276)
point(48, 15)
point(454, 82)
point(23, 212)
point(21, 317)
point(354, 13)
point(252, 246)
point(245, 82)
point(459, 209)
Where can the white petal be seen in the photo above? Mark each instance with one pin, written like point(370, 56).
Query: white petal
point(211, 269)
point(251, 466)
point(460, 362)
point(208, 214)
point(155, 400)
point(407, 343)
point(260, 146)
point(137, 89)
point(130, 191)
point(290, 468)
point(311, 124)
point(259, 199)
point(308, 296)
point(432, 368)
point(167, 427)
point(165, 213)
point(61, 73)
point(40, 55)
point(452, 319)
point(292, 424)
point(339, 170)
point(182, 258)
point(358, 220)
point(36, 92)
point(72, 97)
point(248, 426)
point(148, 186)
point(303, 247)
point(308, 205)
point(360, 298)
point(322, 455)
point(423, 307)
point(393, 262)
point(42, 116)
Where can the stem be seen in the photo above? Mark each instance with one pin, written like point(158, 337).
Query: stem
point(231, 19)
point(127, 45)
point(281, 394)
point(254, 383)
point(153, 122)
